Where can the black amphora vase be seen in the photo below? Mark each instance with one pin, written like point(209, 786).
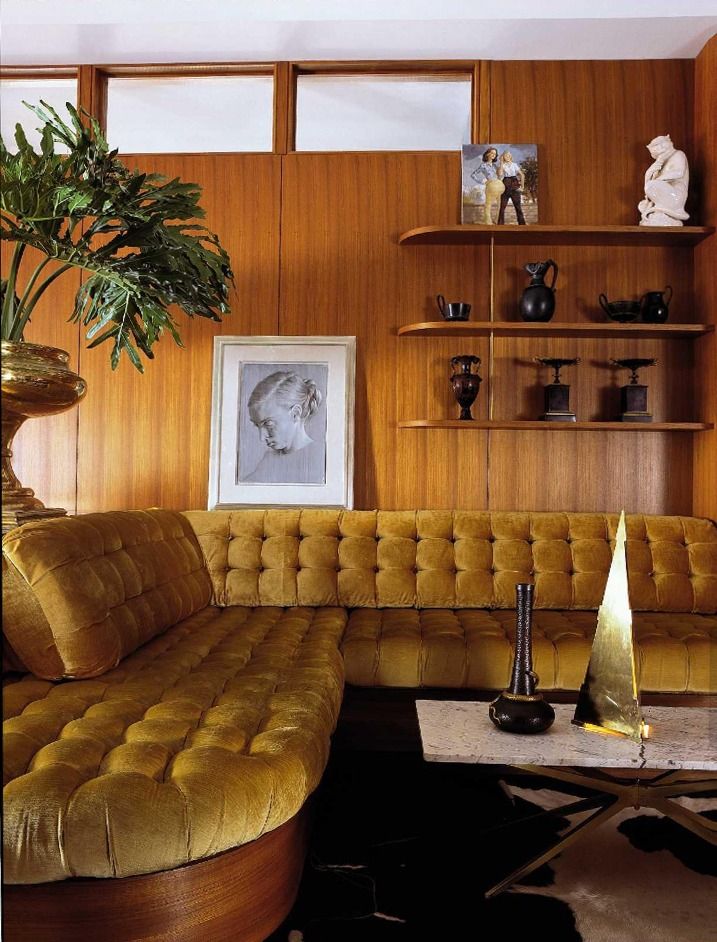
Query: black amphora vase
point(465, 384)
point(520, 709)
point(538, 300)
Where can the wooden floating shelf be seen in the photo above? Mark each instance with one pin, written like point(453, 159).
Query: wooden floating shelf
point(539, 426)
point(550, 329)
point(556, 235)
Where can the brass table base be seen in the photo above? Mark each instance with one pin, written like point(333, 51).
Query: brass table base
point(614, 795)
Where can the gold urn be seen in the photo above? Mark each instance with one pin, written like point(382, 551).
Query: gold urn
point(36, 381)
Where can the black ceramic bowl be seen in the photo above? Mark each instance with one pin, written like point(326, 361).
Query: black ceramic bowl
point(621, 311)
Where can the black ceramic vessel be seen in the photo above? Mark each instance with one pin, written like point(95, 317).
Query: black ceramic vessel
point(520, 709)
point(538, 300)
point(621, 311)
point(465, 384)
point(654, 309)
point(453, 310)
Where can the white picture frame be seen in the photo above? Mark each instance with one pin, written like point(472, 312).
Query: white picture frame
point(282, 422)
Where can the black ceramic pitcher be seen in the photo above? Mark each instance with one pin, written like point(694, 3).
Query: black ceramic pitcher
point(538, 301)
point(654, 309)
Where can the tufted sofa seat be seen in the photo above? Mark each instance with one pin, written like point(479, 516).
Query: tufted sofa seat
point(431, 593)
point(186, 671)
point(676, 653)
point(205, 739)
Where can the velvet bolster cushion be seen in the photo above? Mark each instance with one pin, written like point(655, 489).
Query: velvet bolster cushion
point(453, 559)
point(84, 592)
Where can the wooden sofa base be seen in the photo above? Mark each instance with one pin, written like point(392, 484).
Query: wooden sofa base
point(239, 896)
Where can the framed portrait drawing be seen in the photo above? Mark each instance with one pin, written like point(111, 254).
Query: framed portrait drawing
point(282, 424)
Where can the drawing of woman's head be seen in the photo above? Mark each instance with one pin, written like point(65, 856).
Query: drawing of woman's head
point(490, 155)
point(280, 406)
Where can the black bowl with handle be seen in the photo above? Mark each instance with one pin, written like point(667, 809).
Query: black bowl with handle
point(621, 311)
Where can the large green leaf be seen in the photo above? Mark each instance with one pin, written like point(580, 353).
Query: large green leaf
point(132, 233)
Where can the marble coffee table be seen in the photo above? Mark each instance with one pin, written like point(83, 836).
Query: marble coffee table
point(682, 739)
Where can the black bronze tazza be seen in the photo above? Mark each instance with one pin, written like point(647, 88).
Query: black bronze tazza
point(557, 394)
point(633, 397)
point(557, 363)
point(634, 364)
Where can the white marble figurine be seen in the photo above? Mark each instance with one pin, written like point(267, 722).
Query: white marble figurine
point(666, 183)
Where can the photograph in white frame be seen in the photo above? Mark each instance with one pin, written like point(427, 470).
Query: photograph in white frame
point(282, 422)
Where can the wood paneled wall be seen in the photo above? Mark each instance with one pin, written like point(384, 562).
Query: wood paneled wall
point(144, 438)
point(591, 121)
point(45, 450)
point(705, 173)
point(313, 240)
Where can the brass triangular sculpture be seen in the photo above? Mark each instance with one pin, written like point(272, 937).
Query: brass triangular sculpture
point(609, 701)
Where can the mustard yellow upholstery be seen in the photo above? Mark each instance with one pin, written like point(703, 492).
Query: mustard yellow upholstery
point(677, 653)
point(207, 737)
point(196, 727)
point(445, 559)
point(84, 592)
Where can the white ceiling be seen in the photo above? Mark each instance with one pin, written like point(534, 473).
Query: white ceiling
point(52, 32)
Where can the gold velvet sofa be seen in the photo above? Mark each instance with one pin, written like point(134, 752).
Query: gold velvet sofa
point(186, 671)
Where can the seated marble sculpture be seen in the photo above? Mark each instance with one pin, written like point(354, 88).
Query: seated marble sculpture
point(666, 183)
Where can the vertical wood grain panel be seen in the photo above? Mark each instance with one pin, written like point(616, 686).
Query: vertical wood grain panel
point(591, 471)
point(45, 449)
point(343, 273)
point(313, 244)
point(144, 439)
point(591, 121)
point(704, 168)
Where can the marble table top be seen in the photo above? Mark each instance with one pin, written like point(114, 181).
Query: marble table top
point(461, 731)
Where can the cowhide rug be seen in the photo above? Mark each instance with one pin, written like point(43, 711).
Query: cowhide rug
point(404, 850)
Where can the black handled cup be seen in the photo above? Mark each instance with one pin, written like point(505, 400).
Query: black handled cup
point(453, 310)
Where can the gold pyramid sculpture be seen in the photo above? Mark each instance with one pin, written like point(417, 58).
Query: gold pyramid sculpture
point(609, 701)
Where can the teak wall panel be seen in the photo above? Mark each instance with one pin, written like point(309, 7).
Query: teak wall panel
point(344, 273)
point(704, 172)
point(45, 449)
point(144, 438)
point(591, 121)
point(591, 471)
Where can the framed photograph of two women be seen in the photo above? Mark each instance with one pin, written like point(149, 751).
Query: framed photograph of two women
point(500, 184)
point(282, 430)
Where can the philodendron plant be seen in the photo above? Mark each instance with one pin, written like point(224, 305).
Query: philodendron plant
point(130, 233)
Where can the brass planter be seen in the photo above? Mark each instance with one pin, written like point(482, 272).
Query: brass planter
point(36, 381)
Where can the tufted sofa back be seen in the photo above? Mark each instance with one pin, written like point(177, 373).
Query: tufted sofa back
point(80, 593)
point(453, 559)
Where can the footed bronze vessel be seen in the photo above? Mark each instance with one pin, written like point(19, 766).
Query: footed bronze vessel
point(520, 709)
